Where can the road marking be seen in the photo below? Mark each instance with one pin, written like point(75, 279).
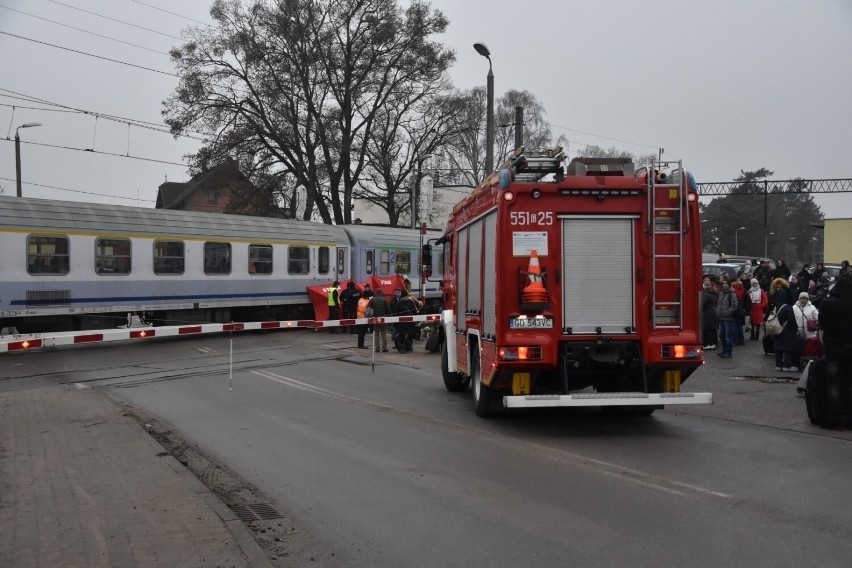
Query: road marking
point(650, 480)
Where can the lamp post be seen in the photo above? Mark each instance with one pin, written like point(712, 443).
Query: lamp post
point(18, 152)
point(482, 50)
point(737, 241)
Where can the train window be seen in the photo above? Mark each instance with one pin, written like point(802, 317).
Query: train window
point(297, 260)
point(260, 259)
point(403, 262)
point(112, 256)
point(369, 262)
point(168, 257)
point(384, 262)
point(217, 258)
point(341, 262)
point(47, 255)
point(324, 259)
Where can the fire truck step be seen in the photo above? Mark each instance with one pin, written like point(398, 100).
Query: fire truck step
point(608, 399)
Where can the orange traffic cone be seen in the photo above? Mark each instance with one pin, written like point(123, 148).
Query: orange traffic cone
point(534, 292)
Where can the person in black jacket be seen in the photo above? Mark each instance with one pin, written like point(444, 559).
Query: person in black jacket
point(781, 270)
point(787, 343)
point(835, 320)
point(381, 307)
point(349, 298)
point(780, 294)
point(404, 306)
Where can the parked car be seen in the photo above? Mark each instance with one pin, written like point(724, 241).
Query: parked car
point(717, 268)
point(833, 270)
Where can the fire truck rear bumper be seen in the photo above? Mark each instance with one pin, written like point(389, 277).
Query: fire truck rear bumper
point(608, 399)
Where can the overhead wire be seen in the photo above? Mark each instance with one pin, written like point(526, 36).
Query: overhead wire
point(92, 151)
point(114, 19)
point(131, 121)
point(80, 191)
point(88, 54)
point(82, 30)
point(603, 137)
point(172, 13)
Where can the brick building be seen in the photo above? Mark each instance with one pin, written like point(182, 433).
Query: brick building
point(211, 191)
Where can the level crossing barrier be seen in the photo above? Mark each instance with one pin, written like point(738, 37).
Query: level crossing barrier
point(27, 342)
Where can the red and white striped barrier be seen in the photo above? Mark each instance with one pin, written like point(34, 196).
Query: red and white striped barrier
point(41, 340)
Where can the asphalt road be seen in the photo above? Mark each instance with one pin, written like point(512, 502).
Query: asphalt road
point(383, 467)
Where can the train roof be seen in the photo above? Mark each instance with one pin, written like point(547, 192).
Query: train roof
point(372, 235)
point(93, 218)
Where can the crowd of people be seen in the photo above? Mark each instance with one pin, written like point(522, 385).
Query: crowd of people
point(814, 311)
point(353, 303)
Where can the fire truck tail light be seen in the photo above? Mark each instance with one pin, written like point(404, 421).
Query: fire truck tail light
point(681, 352)
point(520, 353)
point(508, 196)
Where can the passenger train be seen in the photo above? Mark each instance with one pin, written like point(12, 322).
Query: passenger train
point(77, 266)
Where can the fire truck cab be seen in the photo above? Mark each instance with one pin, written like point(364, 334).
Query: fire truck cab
point(575, 286)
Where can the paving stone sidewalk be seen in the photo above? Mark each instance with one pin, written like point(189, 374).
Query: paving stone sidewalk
point(83, 485)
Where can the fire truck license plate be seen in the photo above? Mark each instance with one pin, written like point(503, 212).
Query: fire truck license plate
point(530, 323)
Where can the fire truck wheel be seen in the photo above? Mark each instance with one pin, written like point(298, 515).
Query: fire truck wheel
point(485, 399)
point(453, 381)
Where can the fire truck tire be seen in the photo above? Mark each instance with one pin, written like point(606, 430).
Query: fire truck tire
point(454, 382)
point(485, 399)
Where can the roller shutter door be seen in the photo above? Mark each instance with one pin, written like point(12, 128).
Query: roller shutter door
point(597, 263)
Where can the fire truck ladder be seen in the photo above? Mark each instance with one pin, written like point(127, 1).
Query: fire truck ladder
point(665, 213)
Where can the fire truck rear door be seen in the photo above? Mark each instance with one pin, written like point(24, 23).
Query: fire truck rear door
point(598, 267)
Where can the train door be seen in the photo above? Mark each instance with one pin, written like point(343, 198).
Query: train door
point(342, 256)
point(363, 263)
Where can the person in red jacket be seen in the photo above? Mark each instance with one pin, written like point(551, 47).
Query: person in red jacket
point(757, 312)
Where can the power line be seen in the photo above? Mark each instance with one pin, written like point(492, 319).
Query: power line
point(115, 20)
point(92, 151)
point(172, 13)
point(604, 137)
point(123, 120)
point(82, 30)
point(79, 191)
point(89, 54)
point(37, 108)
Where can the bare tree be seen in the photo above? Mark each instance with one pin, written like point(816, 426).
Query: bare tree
point(294, 88)
point(465, 155)
point(407, 134)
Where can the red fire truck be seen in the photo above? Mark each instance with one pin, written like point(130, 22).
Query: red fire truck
point(575, 286)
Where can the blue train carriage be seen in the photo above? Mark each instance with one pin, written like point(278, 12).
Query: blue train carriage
point(77, 266)
point(388, 251)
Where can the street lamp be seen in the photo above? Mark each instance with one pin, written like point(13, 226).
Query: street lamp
point(737, 240)
point(482, 50)
point(18, 152)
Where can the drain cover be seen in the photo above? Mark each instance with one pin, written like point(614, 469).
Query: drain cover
point(256, 512)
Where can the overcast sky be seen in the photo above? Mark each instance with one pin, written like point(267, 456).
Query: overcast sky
point(725, 86)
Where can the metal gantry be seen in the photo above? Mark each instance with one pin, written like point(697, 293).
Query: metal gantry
point(768, 186)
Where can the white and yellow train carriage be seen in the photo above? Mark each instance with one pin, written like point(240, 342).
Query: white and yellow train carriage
point(68, 265)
